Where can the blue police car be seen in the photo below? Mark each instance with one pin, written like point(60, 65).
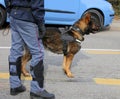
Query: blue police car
point(66, 12)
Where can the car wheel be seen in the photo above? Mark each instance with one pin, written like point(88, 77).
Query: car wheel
point(3, 16)
point(97, 17)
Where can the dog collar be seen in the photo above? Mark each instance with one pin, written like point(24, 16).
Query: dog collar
point(78, 41)
point(75, 28)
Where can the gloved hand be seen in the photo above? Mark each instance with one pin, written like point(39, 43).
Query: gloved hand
point(42, 30)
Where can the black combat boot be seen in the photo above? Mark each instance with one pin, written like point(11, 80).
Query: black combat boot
point(38, 71)
point(17, 90)
point(42, 95)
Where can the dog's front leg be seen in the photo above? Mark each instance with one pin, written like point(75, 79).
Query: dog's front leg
point(67, 64)
point(64, 63)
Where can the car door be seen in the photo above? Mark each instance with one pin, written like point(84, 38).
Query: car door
point(61, 11)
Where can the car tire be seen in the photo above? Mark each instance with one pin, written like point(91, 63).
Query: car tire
point(3, 16)
point(97, 17)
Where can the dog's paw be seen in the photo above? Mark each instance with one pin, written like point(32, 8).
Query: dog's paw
point(26, 74)
point(70, 75)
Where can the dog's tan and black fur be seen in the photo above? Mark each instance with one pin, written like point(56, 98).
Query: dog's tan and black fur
point(52, 41)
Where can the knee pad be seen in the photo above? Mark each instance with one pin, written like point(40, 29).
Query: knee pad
point(15, 67)
point(38, 71)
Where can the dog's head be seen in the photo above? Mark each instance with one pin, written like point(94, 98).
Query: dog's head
point(87, 24)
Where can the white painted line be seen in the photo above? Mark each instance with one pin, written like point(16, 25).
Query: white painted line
point(100, 49)
point(4, 47)
point(83, 49)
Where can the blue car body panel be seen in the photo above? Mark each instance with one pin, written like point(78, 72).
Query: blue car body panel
point(2, 2)
point(66, 12)
point(76, 8)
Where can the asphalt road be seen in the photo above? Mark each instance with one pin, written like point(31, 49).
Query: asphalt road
point(96, 68)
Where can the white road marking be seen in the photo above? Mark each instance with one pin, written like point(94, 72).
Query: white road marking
point(4, 47)
point(83, 49)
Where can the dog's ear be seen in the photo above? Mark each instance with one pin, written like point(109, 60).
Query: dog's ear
point(87, 18)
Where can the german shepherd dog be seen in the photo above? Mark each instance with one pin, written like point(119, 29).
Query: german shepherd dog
point(53, 42)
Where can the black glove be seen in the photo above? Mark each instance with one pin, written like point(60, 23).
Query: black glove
point(42, 30)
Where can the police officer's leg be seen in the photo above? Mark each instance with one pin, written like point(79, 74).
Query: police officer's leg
point(15, 60)
point(36, 48)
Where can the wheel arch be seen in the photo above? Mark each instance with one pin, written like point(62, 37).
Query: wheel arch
point(98, 11)
point(2, 6)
